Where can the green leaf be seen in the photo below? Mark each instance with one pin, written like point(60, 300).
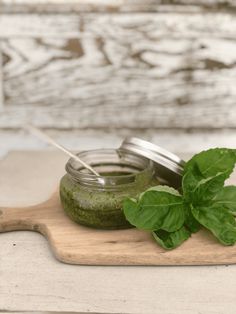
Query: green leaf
point(130, 204)
point(205, 202)
point(198, 190)
point(212, 161)
point(205, 174)
point(170, 240)
point(219, 221)
point(164, 188)
point(161, 188)
point(190, 222)
point(160, 208)
point(227, 198)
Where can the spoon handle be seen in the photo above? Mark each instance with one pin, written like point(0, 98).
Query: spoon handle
point(43, 136)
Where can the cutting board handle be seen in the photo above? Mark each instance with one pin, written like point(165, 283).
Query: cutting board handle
point(28, 218)
point(19, 218)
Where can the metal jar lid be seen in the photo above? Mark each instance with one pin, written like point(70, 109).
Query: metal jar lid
point(169, 167)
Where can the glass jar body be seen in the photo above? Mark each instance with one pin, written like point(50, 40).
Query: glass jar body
point(97, 203)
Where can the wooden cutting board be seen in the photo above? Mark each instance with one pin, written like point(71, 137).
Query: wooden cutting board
point(75, 244)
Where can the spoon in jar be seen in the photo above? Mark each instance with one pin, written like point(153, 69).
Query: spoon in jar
point(43, 136)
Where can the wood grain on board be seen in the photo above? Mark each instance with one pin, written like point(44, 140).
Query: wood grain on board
point(75, 244)
point(139, 70)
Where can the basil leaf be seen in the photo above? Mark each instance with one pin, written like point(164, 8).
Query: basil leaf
point(219, 221)
point(170, 240)
point(129, 205)
point(161, 188)
point(227, 198)
point(161, 208)
point(212, 161)
point(198, 190)
point(205, 174)
point(164, 188)
point(190, 222)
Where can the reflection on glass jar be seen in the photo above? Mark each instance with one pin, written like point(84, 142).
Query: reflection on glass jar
point(97, 201)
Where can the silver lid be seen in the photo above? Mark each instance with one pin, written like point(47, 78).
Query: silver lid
point(169, 167)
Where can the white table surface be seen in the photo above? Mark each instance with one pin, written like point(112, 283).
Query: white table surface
point(31, 279)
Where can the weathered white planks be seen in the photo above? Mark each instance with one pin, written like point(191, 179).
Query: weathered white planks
point(23, 6)
point(1, 81)
point(36, 25)
point(124, 71)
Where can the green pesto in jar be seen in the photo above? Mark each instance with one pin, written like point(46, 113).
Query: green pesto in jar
point(89, 202)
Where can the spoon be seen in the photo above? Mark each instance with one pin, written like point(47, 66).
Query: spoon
point(43, 136)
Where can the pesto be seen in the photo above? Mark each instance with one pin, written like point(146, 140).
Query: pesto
point(101, 208)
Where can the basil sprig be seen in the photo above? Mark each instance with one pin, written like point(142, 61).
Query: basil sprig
point(172, 216)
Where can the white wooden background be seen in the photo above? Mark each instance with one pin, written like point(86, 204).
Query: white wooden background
point(94, 71)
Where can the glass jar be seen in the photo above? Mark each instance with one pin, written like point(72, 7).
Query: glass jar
point(97, 201)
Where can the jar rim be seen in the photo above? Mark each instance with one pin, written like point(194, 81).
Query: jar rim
point(76, 170)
